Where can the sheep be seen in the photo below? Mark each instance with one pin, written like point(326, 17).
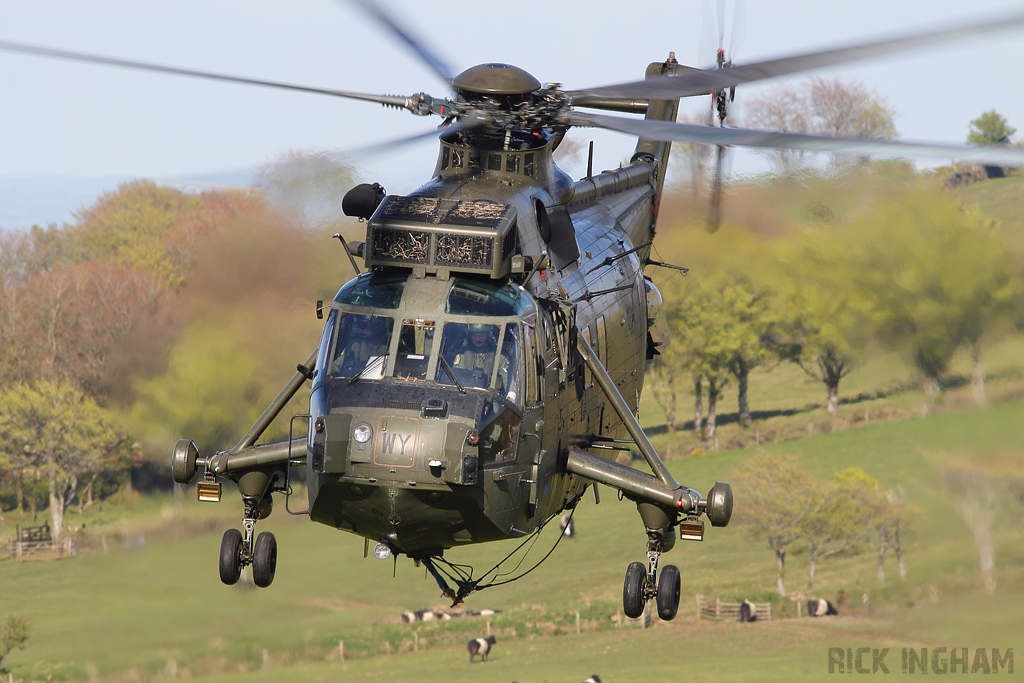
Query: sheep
point(821, 608)
point(480, 646)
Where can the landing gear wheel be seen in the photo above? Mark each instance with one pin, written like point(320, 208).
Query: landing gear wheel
point(264, 559)
point(668, 592)
point(633, 590)
point(231, 556)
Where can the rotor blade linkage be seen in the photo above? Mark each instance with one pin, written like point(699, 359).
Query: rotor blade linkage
point(607, 384)
point(701, 82)
point(667, 131)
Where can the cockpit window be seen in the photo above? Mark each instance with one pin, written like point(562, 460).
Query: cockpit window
point(469, 350)
point(470, 297)
point(415, 342)
point(362, 348)
point(373, 291)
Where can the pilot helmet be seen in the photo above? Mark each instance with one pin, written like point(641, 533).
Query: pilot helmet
point(480, 327)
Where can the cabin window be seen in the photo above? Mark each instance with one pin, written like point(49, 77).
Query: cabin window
point(414, 346)
point(362, 347)
point(493, 162)
point(534, 364)
point(512, 163)
point(444, 158)
point(528, 165)
point(509, 377)
point(456, 158)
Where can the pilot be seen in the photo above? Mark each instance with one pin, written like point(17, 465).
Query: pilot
point(365, 342)
point(479, 352)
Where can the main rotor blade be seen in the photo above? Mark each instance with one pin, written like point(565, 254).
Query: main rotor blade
point(389, 100)
point(428, 57)
point(700, 82)
point(667, 131)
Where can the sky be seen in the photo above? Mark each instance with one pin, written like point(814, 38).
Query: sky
point(95, 124)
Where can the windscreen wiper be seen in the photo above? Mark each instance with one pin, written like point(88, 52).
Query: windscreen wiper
point(375, 361)
point(451, 371)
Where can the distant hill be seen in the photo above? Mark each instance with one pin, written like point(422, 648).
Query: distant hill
point(1002, 199)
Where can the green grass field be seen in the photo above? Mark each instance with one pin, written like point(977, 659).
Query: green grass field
point(150, 606)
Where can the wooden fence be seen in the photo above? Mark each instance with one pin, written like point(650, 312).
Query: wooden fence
point(37, 541)
point(714, 608)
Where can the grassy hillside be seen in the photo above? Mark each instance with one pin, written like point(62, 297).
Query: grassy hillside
point(150, 605)
point(1001, 198)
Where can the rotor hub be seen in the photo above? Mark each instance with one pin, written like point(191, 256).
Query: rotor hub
point(496, 79)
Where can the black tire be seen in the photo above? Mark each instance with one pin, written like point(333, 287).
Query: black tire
point(668, 592)
point(231, 556)
point(633, 590)
point(264, 559)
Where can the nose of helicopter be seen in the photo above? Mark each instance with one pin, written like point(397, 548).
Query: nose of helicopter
point(403, 464)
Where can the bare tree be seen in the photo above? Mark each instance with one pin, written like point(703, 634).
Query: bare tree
point(819, 106)
point(781, 109)
point(981, 490)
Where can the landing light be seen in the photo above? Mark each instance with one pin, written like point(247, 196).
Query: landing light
point(208, 492)
point(381, 551)
point(362, 433)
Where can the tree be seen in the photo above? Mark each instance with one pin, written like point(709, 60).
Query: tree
point(820, 106)
point(981, 489)
point(825, 325)
point(891, 524)
point(939, 276)
point(847, 109)
point(990, 129)
point(664, 372)
point(64, 435)
point(694, 349)
point(73, 317)
point(13, 635)
point(843, 512)
point(774, 497)
point(153, 228)
point(749, 325)
point(782, 109)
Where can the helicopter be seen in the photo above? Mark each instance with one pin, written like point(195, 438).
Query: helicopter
point(483, 371)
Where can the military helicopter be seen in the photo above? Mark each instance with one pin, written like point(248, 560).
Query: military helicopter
point(474, 381)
